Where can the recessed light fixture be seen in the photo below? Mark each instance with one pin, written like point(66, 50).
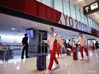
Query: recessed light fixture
point(78, 1)
point(13, 29)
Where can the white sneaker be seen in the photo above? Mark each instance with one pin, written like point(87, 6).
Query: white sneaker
point(48, 72)
point(57, 66)
point(82, 59)
point(88, 58)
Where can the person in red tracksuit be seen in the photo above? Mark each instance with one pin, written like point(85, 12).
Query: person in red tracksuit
point(82, 41)
point(92, 47)
point(74, 50)
point(52, 42)
point(58, 49)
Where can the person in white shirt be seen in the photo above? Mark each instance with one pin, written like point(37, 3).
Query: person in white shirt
point(82, 41)
point(52, 42)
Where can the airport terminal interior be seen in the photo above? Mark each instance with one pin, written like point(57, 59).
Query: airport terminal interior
point(49, 37)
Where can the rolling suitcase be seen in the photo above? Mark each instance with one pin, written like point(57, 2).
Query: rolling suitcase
point(41, 58)
point(42, 50)
point(41, 62)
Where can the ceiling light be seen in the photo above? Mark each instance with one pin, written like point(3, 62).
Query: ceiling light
point(78, 1)
point(13, 29)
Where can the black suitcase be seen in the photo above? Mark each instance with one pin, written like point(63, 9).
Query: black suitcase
point(42, 51)
point(41, 57)
point(41, 62)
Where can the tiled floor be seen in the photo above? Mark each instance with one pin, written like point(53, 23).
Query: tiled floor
point(67, 66)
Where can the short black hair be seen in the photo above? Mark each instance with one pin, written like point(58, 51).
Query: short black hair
point(25, 34)
point(52, 28)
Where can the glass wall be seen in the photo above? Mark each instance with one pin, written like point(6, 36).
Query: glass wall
point(47, 2)
point(85, 19)
point(77, 13)
point(73, 14)
point(90, 21)
point(58, 5)
point(66, 7)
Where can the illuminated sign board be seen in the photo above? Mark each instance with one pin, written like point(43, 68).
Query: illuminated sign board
point(94, 6)
point(91, 8)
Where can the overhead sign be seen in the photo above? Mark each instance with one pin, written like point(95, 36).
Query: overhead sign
point(91, 8)
point(94, 6)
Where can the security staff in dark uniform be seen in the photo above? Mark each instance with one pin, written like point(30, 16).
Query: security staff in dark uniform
point(25, 47)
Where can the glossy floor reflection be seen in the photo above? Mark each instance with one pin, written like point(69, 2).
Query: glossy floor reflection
point(68, 66)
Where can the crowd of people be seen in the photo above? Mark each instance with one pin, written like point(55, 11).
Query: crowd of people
point(58, 45)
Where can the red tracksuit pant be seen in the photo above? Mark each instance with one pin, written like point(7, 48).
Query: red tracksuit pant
point(92, 48)
point(52, 59)
point(75, 54)
point(58, 50)
point(83, 48)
